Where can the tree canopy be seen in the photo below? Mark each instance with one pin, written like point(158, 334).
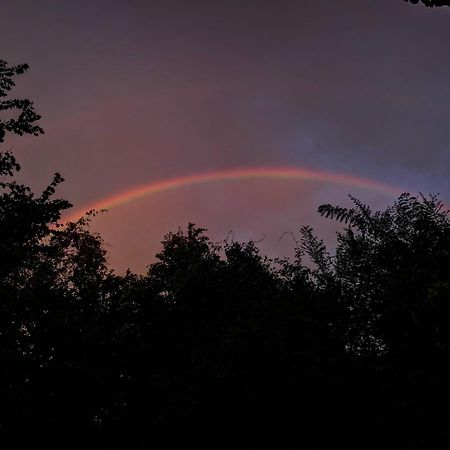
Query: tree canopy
point(24, 123)
point(430, 3)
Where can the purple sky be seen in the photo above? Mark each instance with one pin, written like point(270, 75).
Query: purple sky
point(135, 91)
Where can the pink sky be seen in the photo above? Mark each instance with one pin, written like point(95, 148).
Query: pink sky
point(134, 92)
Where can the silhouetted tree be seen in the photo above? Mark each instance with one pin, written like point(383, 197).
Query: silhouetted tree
point(391, 268)
point(430, 3)
point(50, 292)
point(24, 123)
point(392, 283)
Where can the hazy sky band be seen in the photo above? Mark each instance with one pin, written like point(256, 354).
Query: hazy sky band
point(287, 173)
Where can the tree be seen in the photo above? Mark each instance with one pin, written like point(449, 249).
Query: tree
point(431, 3)
point(391, 270)
point(51, 293)
point(24, 123)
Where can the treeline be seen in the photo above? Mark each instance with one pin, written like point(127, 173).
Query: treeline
point(217, 346)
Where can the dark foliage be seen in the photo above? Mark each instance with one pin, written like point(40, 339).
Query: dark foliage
point(430, 3)
point(24, 123)
point(219, 347)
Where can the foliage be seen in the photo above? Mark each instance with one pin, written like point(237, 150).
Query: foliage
point(431, 3)
point(24, 123)
point(392, 270)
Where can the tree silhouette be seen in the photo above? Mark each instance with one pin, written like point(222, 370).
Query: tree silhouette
point(50, 291)
point(392, 271)
point(24, 123)
point(430, 3)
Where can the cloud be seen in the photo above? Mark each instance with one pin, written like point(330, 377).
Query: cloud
point(134, 91)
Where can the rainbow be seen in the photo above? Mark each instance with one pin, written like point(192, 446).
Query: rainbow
point(279, 173)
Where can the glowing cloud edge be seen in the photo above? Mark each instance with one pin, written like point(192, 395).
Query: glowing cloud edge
point(280, 173)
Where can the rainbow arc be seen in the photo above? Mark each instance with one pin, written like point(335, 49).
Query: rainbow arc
point(279, 173)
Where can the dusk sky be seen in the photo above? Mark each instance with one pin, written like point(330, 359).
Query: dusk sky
point(134, 92)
